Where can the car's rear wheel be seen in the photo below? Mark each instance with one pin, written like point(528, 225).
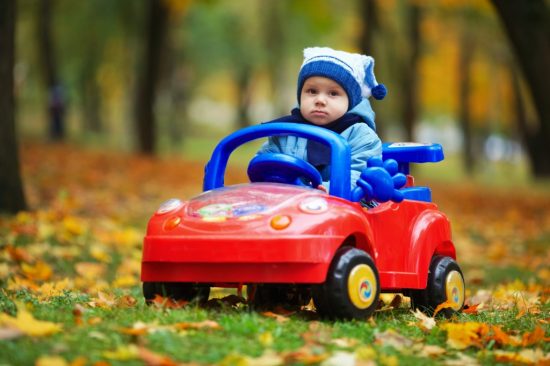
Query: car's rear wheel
point(445, 284)
point(270, 295)
point(352, 287)
point(176, 291)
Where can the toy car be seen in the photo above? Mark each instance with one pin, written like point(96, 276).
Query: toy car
point(288, 241)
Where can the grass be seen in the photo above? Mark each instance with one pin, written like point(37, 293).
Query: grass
point(242, 334)
point(507, 236)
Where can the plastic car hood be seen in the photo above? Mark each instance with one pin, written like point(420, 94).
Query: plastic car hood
point(243, 201)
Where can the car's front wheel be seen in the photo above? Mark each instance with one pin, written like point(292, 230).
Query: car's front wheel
point(445, 284)
point(175, 291)
point(352, 287)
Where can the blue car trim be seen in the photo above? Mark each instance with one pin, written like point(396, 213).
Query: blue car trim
point(340, 169)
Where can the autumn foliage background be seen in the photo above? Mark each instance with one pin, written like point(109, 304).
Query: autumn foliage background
point(70, 264)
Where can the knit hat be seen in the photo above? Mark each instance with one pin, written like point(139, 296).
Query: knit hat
point(354, 72)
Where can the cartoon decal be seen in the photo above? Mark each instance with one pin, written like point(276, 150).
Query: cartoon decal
point(222, 211)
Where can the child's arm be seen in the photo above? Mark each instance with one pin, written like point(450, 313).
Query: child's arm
point(365, 144)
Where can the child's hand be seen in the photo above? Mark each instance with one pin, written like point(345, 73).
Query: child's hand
point(322, 188)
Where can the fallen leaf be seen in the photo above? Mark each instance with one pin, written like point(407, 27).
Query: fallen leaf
point(445, 305)
point(432, 351)
point(10, 333)
point(525, 356)
point(534, 337)
point(392, 338)
point(27, 324)
point(425, 322)
point(472, 309)
point(206, 324)
point(463, 335)
point(40, 271)
point(340, 358)
point(154, 359)
point(279, 318)
point(51, 361)
point(168, 303)
point(123, 353)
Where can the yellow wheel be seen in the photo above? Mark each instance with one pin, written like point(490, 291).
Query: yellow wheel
point(445, 283)
point(362, 286)
point(454, 288)
point(352, 287)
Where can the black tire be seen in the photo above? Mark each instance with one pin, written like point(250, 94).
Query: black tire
point(445, 282)
point(176, 291)
point(352, 287)
point(289, 296)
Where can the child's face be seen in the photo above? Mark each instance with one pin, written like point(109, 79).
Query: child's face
point(322, 100)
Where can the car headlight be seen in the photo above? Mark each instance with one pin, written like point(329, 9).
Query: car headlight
point(314, 205)
point(169, 206)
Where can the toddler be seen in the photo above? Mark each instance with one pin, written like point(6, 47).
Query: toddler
point(333, 91)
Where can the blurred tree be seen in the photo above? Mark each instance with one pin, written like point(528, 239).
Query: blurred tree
point(410, 69)
point(148, 75)
point(464, 88)
point(527, 24)
point(368, 11)
point(275, 39)
point(12, 198)
point(54, 87)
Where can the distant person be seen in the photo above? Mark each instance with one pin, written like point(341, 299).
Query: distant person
point(56, 107)
point(333, 91)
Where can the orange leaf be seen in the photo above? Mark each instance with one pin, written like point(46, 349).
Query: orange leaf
point(470, 309)
point(151, 358)
point(445, 305)
point(168, 303)
point(206, 324)
point(535, 336)
point(279, 318)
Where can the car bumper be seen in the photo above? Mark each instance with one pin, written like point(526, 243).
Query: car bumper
point(300, 259)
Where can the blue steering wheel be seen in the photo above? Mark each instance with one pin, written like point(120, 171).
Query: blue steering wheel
point(283, 168)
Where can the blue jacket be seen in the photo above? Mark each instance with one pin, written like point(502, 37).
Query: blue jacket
point(361, 137)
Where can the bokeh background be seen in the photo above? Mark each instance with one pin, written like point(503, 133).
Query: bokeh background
point(170, 77)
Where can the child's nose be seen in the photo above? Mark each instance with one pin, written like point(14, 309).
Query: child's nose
point(320, 99)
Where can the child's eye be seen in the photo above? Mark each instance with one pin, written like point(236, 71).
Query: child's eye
point(311, 91)
point(334, 93)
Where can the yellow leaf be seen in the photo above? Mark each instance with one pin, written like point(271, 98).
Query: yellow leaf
point(90, 270)
point(123, 353)
point(125, 281)
point(26, 323)
point(98, 252)
point(52, 289)
point(74, 225)
point(464, 335)
point(266, 339)
point(51, 361)
point(39, 272)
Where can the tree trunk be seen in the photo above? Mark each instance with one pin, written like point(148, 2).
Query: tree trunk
point(12, 198)
point(148, 77)
point(369, 15)
point(410, 80)
point(464, 67)
point(275, 39)
point(244, 95)
point(55, 93)
point(527, 24)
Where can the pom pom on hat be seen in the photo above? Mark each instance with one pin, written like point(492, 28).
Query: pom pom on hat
point(379, 91)
point(353, 71)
